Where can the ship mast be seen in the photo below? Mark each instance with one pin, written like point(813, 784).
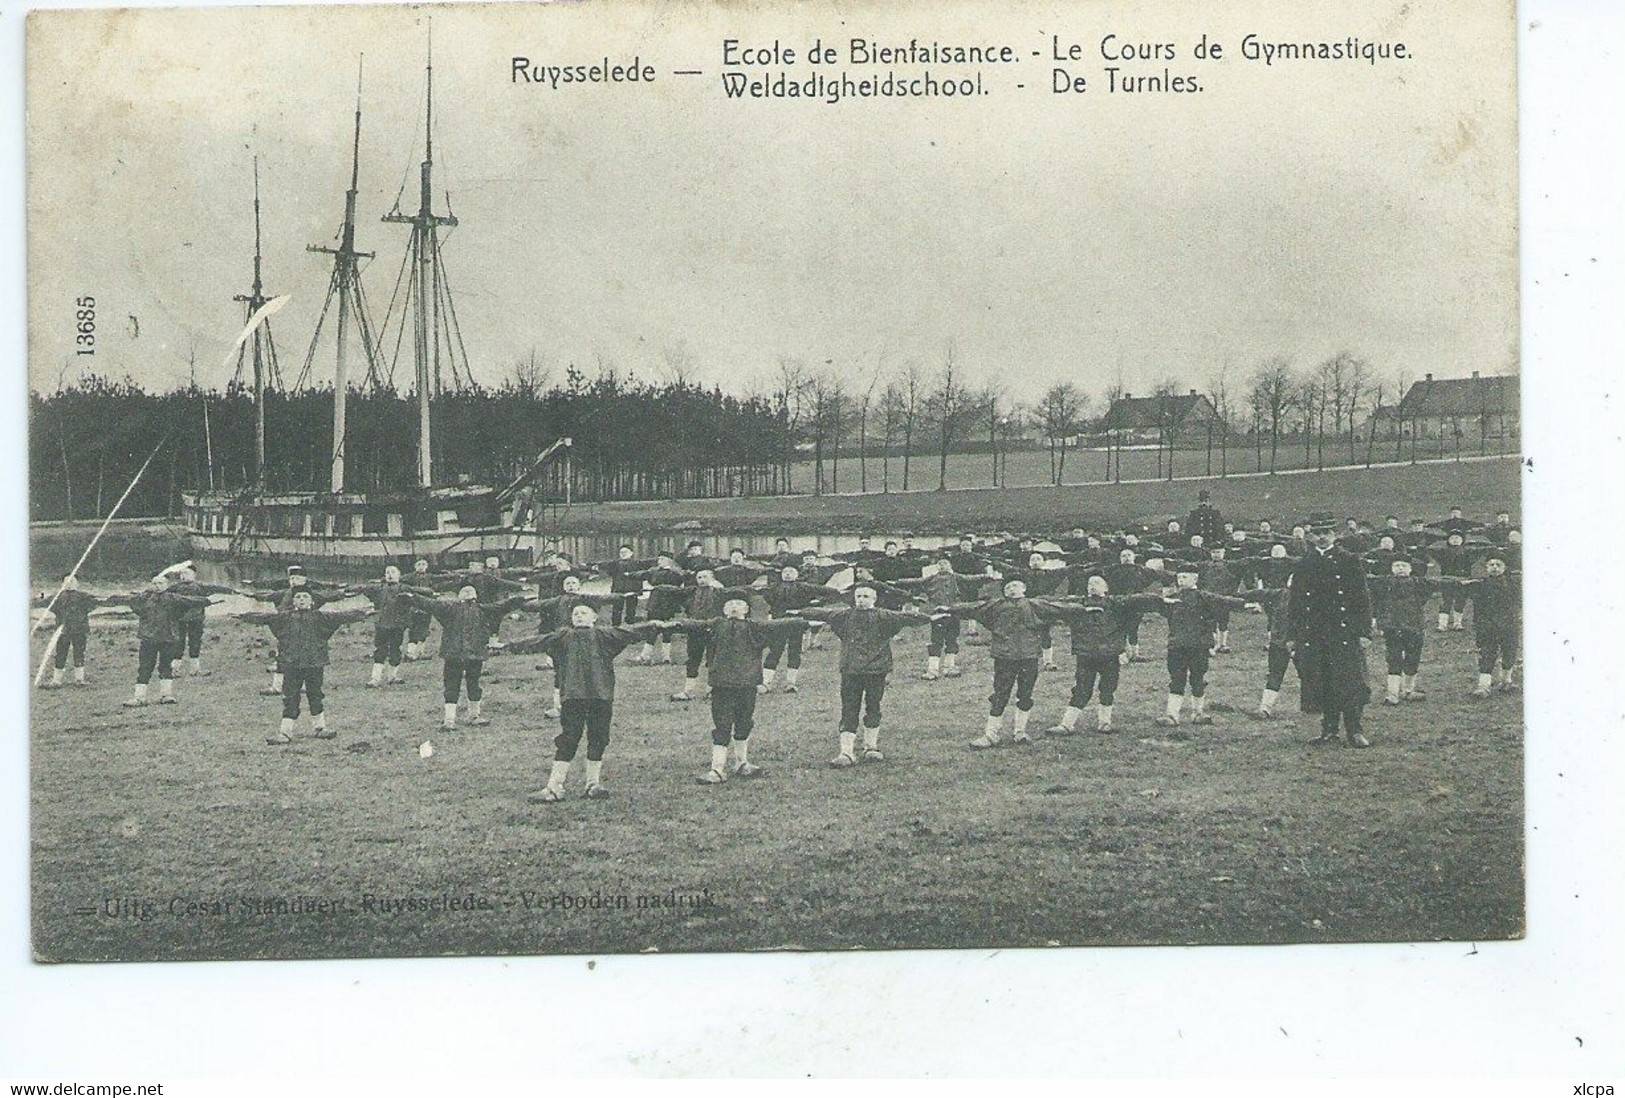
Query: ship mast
point(260, 348)
point(345, 284)
point(427, 285)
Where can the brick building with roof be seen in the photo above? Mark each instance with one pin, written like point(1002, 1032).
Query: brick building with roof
point(1474, 407)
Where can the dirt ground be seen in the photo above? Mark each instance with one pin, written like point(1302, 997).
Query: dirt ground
point(174, 832)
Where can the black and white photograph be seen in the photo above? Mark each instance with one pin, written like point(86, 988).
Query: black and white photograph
point(557, 480)
point(903, 538)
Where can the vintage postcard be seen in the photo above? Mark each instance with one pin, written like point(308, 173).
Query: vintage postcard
point(583, 478)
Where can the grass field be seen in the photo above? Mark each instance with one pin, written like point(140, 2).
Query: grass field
point(1031, 468)
point(1427, 489)
point(1247, 834)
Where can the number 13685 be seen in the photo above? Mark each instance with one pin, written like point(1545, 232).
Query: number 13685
point(85, 324)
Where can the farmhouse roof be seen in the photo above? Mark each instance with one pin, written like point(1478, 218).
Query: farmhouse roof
point(1461, 396)
point(1132, 413)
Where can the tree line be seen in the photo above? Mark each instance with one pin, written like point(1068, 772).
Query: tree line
point(911, 418)
point(631, 440)
point(676, 438)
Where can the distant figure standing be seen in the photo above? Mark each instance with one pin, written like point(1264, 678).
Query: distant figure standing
point(189, 625)
point(1330, 615)
point(72, 609)
point(466, 625)
point(1205, 521)
point(302, 634)
point(158, 613)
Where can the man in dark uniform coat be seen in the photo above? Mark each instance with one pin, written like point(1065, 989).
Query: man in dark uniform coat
point(1330, 619)
point(1206, 521)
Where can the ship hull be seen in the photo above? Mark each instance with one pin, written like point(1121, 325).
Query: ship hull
point(448, 527)
point(513, 547)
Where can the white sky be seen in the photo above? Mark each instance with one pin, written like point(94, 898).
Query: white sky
point(1294, 210)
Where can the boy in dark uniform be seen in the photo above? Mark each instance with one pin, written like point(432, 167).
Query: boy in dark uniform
point(584, 652)
point(1497, 622)
point(939, 586)
point(72, 610)
point(184, 581)
point(1099, 627)
point(865, 632)
point(734, 658)
point(394, 618)
point(1399, 603)
point(158, 612)
point(1192, 615)
point(302, 634)
point(466, 625)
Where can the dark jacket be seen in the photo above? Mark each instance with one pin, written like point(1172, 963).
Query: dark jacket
point(1206, 520)
point(465, 627)
point(72, 610)
point(734, 654)
point(1329, 614)
point(1192, 616)
point(1017, 625)
point(1400, 605)
point(1497, 603)
point(1456, 560)
point(302, 635)
point(865, 635)
point(1221, 577)
point(585, 656)
point(669, 589)
point(1271, 572)
point(1330, 601)
point(738, 575)
point(1128, 579)
point(159, 614)
point(938, 589)
point(487, 588)
point(555, 611)
point(282, 597)
point(394, 612)
point(1275, 602)
point(784, 597)
point(193, 614)
point(891, 569)
point(1100, 625)
point(624, 575)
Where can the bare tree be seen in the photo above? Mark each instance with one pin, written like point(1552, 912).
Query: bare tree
point(891, 422)
point(948, 410)
point(913, 394)
point(1114, 393)
point(1011, 425)
point(789, 400)
point(1220, 397)
point(1272, 397)
point(1060, 414)
point(531, 376)
point(1308, 400)
point(823, 400)
point(837, 425)
point(678, 366)
point(1377, 394)
point(990, 402)
point(863, 425)
point(1354, 395)
point(1343, 382)
point(1167, 421)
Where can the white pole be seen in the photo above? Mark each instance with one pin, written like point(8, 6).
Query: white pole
point(106, 522)
point(45, 657)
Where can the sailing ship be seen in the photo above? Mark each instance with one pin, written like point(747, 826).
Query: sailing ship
point(446, 523)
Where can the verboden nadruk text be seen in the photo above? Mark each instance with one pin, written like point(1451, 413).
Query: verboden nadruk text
point(1112, 47)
